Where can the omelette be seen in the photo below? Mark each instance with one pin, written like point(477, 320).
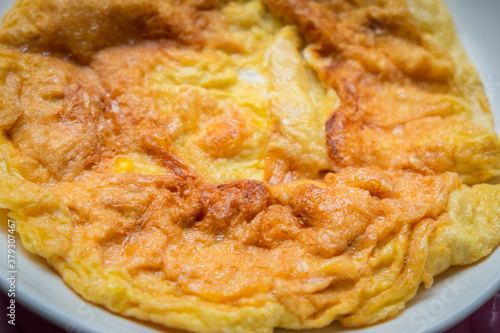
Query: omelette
point(239, 166)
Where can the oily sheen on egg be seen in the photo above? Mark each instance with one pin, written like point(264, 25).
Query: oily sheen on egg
point(239, 166)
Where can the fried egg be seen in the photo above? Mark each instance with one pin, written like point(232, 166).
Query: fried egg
point(240, 166)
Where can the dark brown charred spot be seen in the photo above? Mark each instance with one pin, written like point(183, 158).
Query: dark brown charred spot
point(232, 203)
point(316, 24)
point(335, 127)
point(162, 151)
point(91, 26)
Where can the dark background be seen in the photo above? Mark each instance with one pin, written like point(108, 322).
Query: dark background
point(484, 320)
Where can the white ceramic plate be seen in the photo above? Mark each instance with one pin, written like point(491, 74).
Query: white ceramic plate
point(455, 294)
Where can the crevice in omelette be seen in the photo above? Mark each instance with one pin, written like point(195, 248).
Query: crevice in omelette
point(250, 114)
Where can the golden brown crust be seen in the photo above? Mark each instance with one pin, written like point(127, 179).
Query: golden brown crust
point(182, 224)
point(53, 115)
point(184, 178)
point(401, 105)
point(79, 29)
